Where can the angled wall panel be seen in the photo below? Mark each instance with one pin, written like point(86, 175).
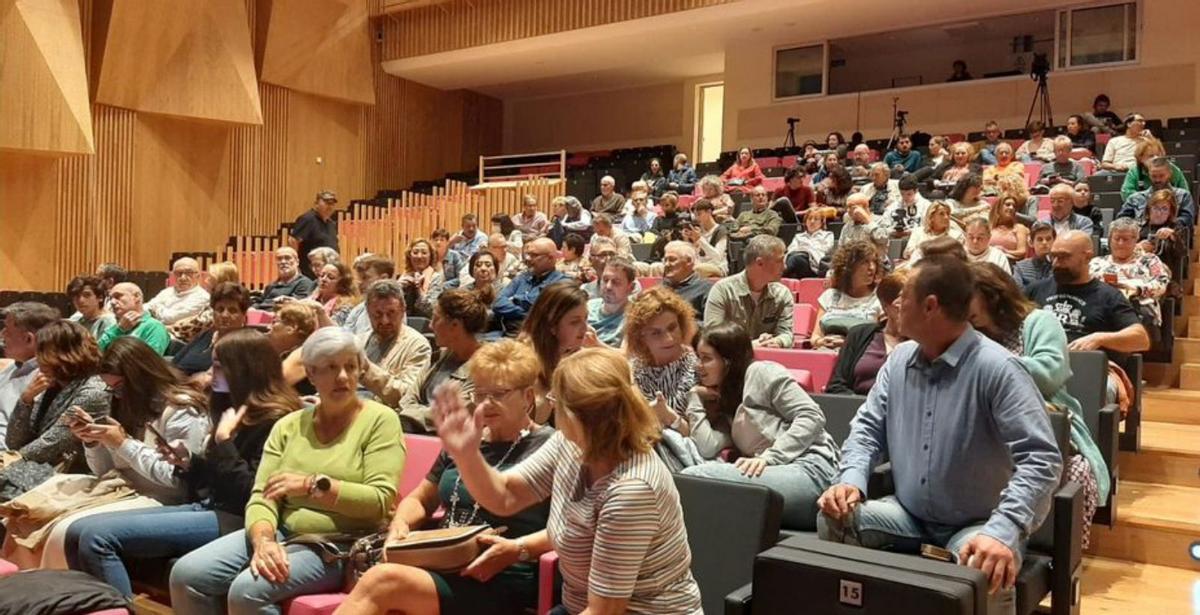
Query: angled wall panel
point(320, 47)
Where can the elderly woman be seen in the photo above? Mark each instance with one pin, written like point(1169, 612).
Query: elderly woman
point(188, 329)
point(1006, 164)
point(37, 439)
point(850, 299)
point(1140, 276)
point(1162, 233)
point(1008, 235)
point(744, 173)
point(809, 247)
point(485, 275)
point(659, 327)
point(712, 189)
point(936, 224)
point(459, 317)
point(502, 579)
point(319, 257)
point(868, 345)
point(570, 214)
point(87, 296)
point(229, 302)
point(610, 495)
point(776, 430)
point(959, 165)
point(1002, 313)
point(324, 470)
point(860, 224)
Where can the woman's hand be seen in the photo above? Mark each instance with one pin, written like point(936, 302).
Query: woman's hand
point(176, 453)
point(230, 420)
point(284, 484)
point(459, 428)
point(1165, 232)
point(270, 561)
point(107, 432)
point(500, 554)
point(662, 410)
point(751, 467)
point(36, 387)
point(398, 530)
point(591, 340)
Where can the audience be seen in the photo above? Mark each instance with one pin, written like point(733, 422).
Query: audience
point(336, 293)
point(1120, 153)
point(850, 299)
point(1162, 233)
point(1102, 118)
point(1081, 136)
point(939, 152)
point(186, 329)
point(679, 275)
point(1138, 178)
point(991, 141)
point(984, 516)
point(571, 262)
point(603, 225)
point(504, 229)
point(556, 327)
point(1037, 266)
point(669, 225)
point(419, 270)
point(609, 200)
point(966, 199)
point(319, 257)
point(809, 248)
point(1084, 207)
point(744, 173)
point(868, 345)
point(755, 298)
point(532, 223)
point(903, 159)
point(393, 353)
point(1062, 168)
point(712, 189)
point(638, 221)
point(796, 190)
point(22, 321)
point(710, 239)
point(606, 313)
point(1137, 274)
point(978, 242)
point(859, 224)
point(293, 324)
point(132, 319)
point(833, 191)
point(606, 430)
point(315, 228)
point(759, 220)
point(570, 215)
point(959, 165)
point(882, 190)
point(1008, 235)
point(229, 305)
point(907, 212)
point(468, 240)
point(1160, 179)
point(1006, 166)
point(936, 224)
point(655, 178)
point(459, 317)
point(860, 163)
point(367, 269)
point(485, 279)
point(87, 297)
point(1062, 212)
point(601, 250)
point(682, 177)
point(186, 298)
point(1036, 148)
point(659, 330)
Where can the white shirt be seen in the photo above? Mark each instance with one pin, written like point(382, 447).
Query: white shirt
point(994, 256)
point(171, 306)
point(1121, 151)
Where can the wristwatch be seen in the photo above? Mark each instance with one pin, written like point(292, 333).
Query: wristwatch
point(320, 483)
point(523, 551)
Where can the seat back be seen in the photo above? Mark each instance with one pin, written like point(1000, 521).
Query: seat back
point(421, 452)
point(818, 362)
point(809, 289)
point(728, 524)
point(1089, 375)
point(839, 411)
point(642, 252)
point(1042, 540)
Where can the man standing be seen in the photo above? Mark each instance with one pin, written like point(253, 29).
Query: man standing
point(974, 459)
point(395, 352)
point(903, 158)
point(515, 301)
point(754, 298)
point(469, 240)
point(679, 275)
point(1160, 179)
point(760, 220)
point(132, 319)
point(184, 299)
point(610, 201)
point(606, 313)
point(22, 321)
point(1062, 211)
point(289, 282)
point(314, 229)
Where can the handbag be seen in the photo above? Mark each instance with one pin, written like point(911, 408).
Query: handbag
point(447, 549)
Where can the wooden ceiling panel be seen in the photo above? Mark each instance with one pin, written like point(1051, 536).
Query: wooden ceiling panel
point(321, 47)
point(191, 60)
point(44, 106)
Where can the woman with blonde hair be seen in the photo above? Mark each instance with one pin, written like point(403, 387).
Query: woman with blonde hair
point(1008, 234)
point(1018, 188)
point(936, 224)
point(615, 518)
point(712, 189)
point(659, 327)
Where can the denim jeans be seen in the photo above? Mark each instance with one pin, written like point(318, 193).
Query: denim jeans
point(884, 524)
point(800, 484)
point(217, 574)
point(96, 544)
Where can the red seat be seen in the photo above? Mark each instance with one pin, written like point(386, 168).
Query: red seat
point(111, 612)
point(314, 604)
point(422, 451)
point(1032, 171)
point(956, 137)
point(686, 200)
point(767, 162)
point(789, 161)
point(817, 362)
point(649, 282)
point(259, 317)
point(804, 378)
point(1043, 202)
point(772, 183)
point(7, 568)
point(547, 567)
point(1088, 164)
point(809, 289)
point(805, 318)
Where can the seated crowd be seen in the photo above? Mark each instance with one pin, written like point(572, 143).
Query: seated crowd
point(567, 381)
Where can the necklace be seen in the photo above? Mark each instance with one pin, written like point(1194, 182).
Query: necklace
point(452, 518)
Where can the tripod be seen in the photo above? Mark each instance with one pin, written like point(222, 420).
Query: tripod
point(899, 119)
point(789, 140)
point(1041, 102)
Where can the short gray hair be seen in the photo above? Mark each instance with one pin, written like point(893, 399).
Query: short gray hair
point(1124, 225)
point(385, 289)
point(684, 249)
point(30, 315)
point(327, 254)
point(608, 179)
point(327, 342)
point(1061, 140)
point(762, 245)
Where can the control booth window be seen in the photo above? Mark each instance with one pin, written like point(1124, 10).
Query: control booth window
point(799, 71)
point(1093, 35)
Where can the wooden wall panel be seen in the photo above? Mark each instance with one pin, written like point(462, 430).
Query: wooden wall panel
point(338, 145)
point(43, 82)
point(27, 208)
point(191, 59)
point(470, 23)
point(321, 47)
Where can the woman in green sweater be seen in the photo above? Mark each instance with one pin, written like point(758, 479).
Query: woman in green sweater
point(325, 470)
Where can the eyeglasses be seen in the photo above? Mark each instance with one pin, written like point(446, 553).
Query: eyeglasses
point(186, 274)
point(493, 396)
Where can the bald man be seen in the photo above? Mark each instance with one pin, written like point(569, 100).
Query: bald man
point(515, 301)
point(1094, 315)
point(289, 282)
point(1062, 212)
point(184, 299)
point(133, 319)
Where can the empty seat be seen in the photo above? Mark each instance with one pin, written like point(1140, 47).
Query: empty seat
point(818, 362)
point(809, 289)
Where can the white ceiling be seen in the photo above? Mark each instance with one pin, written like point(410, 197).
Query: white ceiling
point(673, 47)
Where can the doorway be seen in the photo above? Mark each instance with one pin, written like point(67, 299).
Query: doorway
point(710, 108)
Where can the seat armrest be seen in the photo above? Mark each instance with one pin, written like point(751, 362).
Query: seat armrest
point(737, 602)
point(1110, 444)
point(880, 483)
point(547, 571)
point(1068, 549)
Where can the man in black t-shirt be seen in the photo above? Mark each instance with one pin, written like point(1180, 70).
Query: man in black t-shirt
point(1094, 315)
point(316, 228)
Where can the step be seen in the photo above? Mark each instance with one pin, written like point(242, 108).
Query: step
point(1117, 587)
point(1187, 349)
point(1171, 406)
point(1189, 375)
point(1193, 323)
point(1156, 524)
point(1170, 455)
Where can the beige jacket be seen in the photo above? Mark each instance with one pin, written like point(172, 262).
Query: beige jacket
point(398, 372)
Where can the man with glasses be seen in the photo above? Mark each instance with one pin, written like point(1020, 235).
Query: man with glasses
point(515, 301)
point(1160, 179)
point(1121, 151)
point(184, 299)
point(289, 283)
point(1062, 211)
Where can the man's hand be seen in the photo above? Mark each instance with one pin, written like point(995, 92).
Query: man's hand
point(992, 557)
point(839, 501)
point(129, 321)
point(1092, 341)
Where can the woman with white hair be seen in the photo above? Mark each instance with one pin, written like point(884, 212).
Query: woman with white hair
point(1141, 276)
point(330, 469)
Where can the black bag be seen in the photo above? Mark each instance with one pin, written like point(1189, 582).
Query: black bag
point(836, 578)
point(56, 592)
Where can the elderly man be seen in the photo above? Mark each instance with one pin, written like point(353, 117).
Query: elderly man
point(22, 321)
point(754, 298)
point(515, 301)
point(469, 240)
point(133, 319)
point(395, 352)
point(289, 282)
point(314, 229)
point(679, 275)
point(760, 220)
point(859, 224)
point(1160, 179)
point(610, 201)
point(1062, 211)
point(974, 458)
point(860, 165)
point(606, 313)
point(184, 299)
point(1120, 153)
point(367, 269)
point(603, 225)
point(1095, 315)
point(1063, 170)
point(531, 222)
point(682, 177)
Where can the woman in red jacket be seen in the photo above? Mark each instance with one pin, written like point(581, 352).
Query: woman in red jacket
point(744, 174)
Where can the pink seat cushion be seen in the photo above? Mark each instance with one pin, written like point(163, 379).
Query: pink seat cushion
point(315, 604)
point(7, 568)
point(421, 452)
point(111, 612)
point(803, 378)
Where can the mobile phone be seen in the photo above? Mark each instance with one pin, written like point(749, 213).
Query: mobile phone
point(157, 434)
point(936, 552)
point(77, 415)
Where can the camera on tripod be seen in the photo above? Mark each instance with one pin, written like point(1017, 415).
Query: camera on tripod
point(792, 121)
point(1040, 67)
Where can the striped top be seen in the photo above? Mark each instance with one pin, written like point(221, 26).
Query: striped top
point(623, 537)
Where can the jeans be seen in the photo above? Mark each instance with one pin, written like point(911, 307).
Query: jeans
point(97, 543)
point(799, 266)
point(216, 575)
point(800, 483)
point(884, 524)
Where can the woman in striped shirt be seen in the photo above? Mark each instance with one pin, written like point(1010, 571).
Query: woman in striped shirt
point(615, 517)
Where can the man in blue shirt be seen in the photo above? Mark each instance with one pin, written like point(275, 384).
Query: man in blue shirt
point(469, 240)
point(518, 297)
point(903, 156)
point(974, 459)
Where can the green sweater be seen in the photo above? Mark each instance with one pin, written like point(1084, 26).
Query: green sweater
point(367, 458)
point(148, 330)
point(1137, 179)
point(1045, 357)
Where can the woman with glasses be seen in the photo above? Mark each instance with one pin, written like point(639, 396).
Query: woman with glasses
point(502, 579)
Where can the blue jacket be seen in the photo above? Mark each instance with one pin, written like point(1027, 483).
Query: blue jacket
point(1135, 206)
point(911, 162)
point(518, 297)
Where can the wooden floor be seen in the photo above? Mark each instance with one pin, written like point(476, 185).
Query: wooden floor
point(1116, 587)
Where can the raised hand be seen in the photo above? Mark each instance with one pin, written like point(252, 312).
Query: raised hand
point(458, 426)
point(230, 420)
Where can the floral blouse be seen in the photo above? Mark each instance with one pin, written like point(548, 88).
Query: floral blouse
point(1148, 275)
point(675, 380)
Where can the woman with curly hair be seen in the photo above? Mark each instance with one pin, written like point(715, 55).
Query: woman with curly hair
point(659, 327)
point(712, 189)
point(833, 191)
point(335, 291)
point(850, 299)
point(966, 198)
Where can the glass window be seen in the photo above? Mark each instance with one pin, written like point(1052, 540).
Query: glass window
point(799, 71)
point(1098, 35)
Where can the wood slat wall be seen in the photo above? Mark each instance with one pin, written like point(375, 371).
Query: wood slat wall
point(471, 23)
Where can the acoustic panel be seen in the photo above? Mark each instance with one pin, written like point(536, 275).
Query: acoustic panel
point(43, 82)
point(320, 47)
point(186, 59)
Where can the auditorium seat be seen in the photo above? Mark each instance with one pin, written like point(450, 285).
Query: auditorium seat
point(649, 282)
point(1032, 171)
point(805, 318)
point(818, 362)
point(804, 378)
point(809, 289)
point(256, 317)
point(1088, 385)
point(772, 183)
point(7, 568)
